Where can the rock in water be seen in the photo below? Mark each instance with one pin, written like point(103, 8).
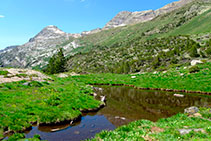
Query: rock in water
point(103, 98)
point(192, 110)
point(179, 95)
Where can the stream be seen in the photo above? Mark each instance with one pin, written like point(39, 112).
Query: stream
point(123, 105)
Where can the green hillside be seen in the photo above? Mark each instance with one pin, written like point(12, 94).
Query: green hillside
point(199, 24)
point(147, 46)
point(164, 25)
point(136, 56)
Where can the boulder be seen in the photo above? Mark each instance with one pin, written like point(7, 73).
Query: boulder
point(26, 84)
point(103, 98)
point(62, 75)
point(186, 131)
point(194, 62)
point(133, 76)
point(192, 110)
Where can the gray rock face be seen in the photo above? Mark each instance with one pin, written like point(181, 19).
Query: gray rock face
point(125, 17)
point(8, 48)
point(91, 32)
point(37, 51)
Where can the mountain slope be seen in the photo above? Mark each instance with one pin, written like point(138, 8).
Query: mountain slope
point(159, 27)
point(140, 47)
point(138, 56)
point(200, 24)
point(37, 51)
point(126, 18)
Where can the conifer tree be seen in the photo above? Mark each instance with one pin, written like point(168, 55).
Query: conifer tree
point(56, 63)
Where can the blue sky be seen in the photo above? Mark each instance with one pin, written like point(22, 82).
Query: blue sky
point(23, 19)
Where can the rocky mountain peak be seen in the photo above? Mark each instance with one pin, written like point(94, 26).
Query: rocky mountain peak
point(49, 32)
point(53, 29)
point(125, 17)
point(37, 50)
point(118, 20)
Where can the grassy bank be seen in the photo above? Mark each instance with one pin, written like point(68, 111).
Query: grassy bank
point(24, 103)
point(164, 129)
point(177, 79)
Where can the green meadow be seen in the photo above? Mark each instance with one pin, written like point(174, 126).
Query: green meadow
point(57, 101)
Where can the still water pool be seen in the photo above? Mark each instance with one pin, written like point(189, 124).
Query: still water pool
point(124, 105)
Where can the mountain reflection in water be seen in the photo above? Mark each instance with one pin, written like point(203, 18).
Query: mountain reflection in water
point(124, 105)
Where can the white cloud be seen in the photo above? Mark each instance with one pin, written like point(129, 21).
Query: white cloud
point(82, 0)
point(2, 16)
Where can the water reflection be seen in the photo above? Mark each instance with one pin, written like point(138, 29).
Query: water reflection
point(152, 105)
point(124, 105)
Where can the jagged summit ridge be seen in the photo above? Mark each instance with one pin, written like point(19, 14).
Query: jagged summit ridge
point(49, 32)
point(125, 17)
point(38, 49)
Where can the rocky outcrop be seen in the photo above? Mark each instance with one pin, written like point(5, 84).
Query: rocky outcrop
point(91, 31)
point(8, 48)
point(125, 17)
point(14, 75)
point(39, 48)
point(195, 62)
point(191, 110)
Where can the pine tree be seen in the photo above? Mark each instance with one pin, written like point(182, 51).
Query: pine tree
point(56, 63)
point(60, 61)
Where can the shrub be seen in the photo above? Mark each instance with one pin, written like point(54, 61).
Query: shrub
point(194, 69)
point(16, 137)
point(208, 51)
point(156, 62)
point(2, 72)
point(37, 136)
point(193, 52)
point(36, 84)
point(22, 75)
point(202, 54)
